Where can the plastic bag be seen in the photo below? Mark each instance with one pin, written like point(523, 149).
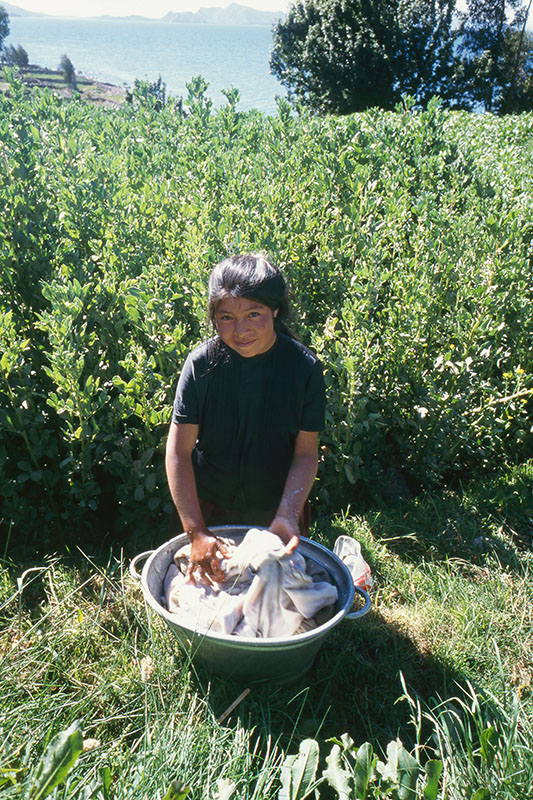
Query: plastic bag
point(349, 552)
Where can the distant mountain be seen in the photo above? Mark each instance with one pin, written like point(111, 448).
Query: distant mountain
point(234, 14)
point(16, 11)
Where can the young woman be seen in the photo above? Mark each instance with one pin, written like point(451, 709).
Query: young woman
point(243, 441)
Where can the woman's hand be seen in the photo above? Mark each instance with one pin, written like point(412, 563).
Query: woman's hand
point(204, 560)
point(206, 550)
point(288, 532)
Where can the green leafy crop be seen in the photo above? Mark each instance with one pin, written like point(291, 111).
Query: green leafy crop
point(405, 237)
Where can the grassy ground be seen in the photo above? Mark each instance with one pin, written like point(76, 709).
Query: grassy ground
point(96, 92)
point(449, 640)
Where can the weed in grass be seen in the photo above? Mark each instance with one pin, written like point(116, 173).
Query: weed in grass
point(485, 742)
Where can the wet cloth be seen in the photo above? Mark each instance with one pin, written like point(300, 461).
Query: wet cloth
point(266, 593)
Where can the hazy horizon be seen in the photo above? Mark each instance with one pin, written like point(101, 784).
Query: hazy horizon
point(152, 9)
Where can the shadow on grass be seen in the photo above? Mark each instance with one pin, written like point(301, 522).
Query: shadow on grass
point(355, 684)
point(492, 516)
point(353, 687)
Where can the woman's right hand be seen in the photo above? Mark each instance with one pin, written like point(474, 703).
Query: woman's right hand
point(206, 551)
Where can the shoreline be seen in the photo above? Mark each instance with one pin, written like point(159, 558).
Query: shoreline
point(91, 90)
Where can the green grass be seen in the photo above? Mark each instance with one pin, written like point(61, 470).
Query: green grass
point(444, 655)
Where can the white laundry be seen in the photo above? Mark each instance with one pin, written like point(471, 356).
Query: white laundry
point(204, 606)
point(267, 592)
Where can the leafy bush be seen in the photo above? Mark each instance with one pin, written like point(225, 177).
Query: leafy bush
point(406, 238)
point(150, 93)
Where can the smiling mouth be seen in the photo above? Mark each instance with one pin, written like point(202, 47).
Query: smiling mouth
point(244, 344)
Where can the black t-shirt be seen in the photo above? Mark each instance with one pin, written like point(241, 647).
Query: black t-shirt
point(249, 412)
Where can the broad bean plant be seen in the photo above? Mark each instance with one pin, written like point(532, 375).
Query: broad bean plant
point(406, 238)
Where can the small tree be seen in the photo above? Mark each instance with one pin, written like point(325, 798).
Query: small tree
point(496, 56)
point(4, 30)
point(16, 56)
point(338, 56)
point(330, 55)
point(518, 91)
point(67, 68)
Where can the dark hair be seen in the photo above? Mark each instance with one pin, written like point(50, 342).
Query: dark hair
point(254, 277)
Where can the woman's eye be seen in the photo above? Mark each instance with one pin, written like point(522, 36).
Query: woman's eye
point(253, 314)
point(224, 318)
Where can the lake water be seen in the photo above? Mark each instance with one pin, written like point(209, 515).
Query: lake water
point(118, 52)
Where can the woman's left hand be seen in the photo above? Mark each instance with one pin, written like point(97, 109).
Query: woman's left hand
point(288, 532)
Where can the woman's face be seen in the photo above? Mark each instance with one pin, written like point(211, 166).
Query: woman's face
point(245, 325)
